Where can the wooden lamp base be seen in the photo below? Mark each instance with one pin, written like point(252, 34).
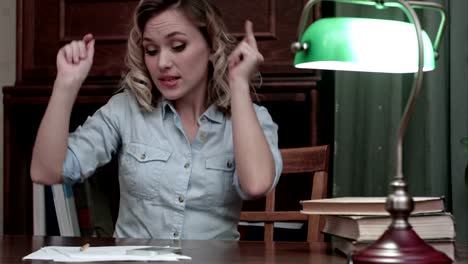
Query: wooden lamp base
point(400, 246)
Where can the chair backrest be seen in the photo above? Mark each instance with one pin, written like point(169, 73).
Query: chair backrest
point(95, 200)
point(296, 161)
point(311, 160)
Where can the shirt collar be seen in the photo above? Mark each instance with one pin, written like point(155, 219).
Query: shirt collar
point(166, 105)
point(212, 113)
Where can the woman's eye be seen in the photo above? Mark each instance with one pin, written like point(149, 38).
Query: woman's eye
point(179, 47)
point(151, 52)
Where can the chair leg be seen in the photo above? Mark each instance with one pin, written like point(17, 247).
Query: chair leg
point(314, 234)
point(268, 235)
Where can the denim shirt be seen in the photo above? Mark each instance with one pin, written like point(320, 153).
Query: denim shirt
point(169, 188)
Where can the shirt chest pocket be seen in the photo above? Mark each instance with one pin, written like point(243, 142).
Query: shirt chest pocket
point(141, 168)
point(220, 171)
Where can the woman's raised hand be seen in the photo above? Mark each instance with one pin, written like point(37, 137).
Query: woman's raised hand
point(244, 60)
point(74, 61)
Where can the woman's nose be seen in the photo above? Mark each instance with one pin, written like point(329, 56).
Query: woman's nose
point(165, 59)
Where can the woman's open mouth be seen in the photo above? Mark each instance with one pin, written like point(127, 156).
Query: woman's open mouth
point(169, 82)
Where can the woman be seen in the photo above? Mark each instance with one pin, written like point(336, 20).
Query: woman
point(191, 144)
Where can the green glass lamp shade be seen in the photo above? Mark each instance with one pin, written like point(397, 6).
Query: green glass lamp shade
point(363, 44)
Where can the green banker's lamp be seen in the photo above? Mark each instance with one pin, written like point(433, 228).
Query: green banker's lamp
point(376, 45)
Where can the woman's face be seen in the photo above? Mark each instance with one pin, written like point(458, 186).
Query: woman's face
point(176, 55)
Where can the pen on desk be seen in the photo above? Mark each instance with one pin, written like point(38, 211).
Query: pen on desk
point(84, 247)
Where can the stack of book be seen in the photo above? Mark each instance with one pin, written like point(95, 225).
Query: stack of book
point(356, 222)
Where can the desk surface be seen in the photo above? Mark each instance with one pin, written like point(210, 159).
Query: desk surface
point(14, 248)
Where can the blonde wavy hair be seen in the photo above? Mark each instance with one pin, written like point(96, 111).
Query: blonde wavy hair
point(209, 20)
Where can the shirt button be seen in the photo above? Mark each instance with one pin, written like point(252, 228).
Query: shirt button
point(181, 199)
point(143, 156)
point(202, 136)
point(175, 234)
point(187, 165)
point(203, 119)
point(229, 164)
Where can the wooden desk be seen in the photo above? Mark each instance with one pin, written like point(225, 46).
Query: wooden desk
point(14, 248)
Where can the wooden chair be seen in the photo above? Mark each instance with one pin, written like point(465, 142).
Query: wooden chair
point(313, 160)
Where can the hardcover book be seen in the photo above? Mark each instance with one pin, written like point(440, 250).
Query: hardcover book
point(366, 205)
point(348, 247)
point(369, 228)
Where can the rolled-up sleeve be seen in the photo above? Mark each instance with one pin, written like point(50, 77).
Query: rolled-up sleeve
point(71, 168)
point(93, 144)
point(270, 128)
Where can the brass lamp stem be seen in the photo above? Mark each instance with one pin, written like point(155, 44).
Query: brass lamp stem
point(399, 201)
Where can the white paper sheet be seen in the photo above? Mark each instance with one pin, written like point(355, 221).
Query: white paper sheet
point(111, 253)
